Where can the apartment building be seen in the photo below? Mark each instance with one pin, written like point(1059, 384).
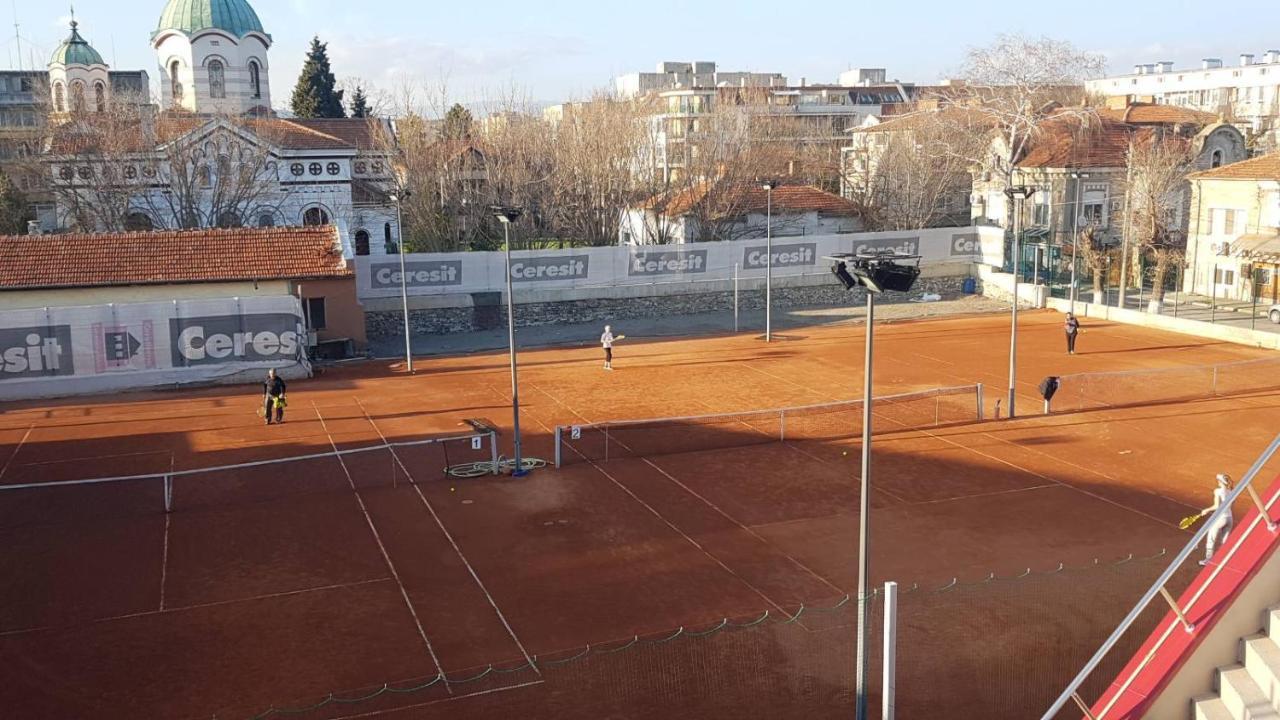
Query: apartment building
point(673, 75)
point(1246, 93)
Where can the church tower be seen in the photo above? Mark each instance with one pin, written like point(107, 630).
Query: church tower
point(78, 76)
point(213, 57)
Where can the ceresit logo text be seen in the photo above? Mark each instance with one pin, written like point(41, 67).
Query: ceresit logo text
point(965, 244)
point(573, 267)
point(791, 255)
point(36, 352)
point(902, 246)
point(669, 262)
point(417, 274)
point(230, 338)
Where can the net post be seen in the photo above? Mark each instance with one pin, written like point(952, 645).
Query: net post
point(1046, 407)
point(782, 425)
point(493, 450)
point(980, 410)
point(606, 443)
point(168, 493)
point(937, 408)
point(558, 440)
point(890, 650)
point(1214, 391)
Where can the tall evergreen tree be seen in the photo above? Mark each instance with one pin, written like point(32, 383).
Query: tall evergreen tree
point(457, 124)
point(315, 95)
point(15, 211)
point(359, 104)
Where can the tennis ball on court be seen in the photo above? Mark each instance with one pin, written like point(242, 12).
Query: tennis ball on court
point(452, 489)
point(846, 452)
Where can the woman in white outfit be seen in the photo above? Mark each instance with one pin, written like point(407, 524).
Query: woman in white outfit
point(1221, 527)
point(606, 340)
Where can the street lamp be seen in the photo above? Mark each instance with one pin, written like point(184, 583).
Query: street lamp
point(1018, 194)
point(1075, 234)
point(768, 186)
point(506, 216)
point(875, 272)
point(404, 289)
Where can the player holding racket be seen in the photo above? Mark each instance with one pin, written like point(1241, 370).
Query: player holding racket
point(273, 396)
point(606, 341)
point(1221, 527)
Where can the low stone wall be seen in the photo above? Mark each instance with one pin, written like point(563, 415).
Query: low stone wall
point(492, 312)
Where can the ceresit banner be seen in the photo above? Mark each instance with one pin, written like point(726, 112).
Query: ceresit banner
point(58, 351)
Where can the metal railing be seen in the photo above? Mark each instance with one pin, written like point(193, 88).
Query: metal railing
point(1159, 588)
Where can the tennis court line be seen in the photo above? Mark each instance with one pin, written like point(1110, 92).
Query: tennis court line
point(490, 691)
point(197, 606)
point(164, 556)
point(16, 450)
point(449, 536)
point(383, 549)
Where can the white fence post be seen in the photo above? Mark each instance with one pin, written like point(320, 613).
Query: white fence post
point(558, 440)
point(493, 450)
point(890, 649)
point(735, 297)
point(168, 493)
point(981, 411)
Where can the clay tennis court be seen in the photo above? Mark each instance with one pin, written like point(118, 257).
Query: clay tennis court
point(278, 585)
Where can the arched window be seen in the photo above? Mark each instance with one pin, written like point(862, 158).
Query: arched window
point(204, 177)
point(266, 219)
point(59, 98)
point(175, 84)
point(362, 242)
point(217, 79)
point(255, 79)
point(315, 216)
point(138, 222)
point(229, 219)
point(1215, 159)
point(77, 96)
point(99, 97)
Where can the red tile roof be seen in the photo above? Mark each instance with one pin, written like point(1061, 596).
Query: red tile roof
point(168, 257)
point(117, 135)
point(1072, 141)
point(1151, 114)
point(742, 198)
point(1263, 167)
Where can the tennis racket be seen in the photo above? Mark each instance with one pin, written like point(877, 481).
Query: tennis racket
point(620, 337)
point(262, 410)
point(1188, 521)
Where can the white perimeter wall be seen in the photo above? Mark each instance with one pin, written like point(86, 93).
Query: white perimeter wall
point(450, 279)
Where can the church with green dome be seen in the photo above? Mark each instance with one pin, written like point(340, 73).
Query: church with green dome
point(213, 57)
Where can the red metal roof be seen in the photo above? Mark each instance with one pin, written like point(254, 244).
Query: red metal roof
point(164, 257)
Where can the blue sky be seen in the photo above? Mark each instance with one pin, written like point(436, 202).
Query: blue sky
point(553, 51)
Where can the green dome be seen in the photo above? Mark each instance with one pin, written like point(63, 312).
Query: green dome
point(192, 16)
point(75, 51)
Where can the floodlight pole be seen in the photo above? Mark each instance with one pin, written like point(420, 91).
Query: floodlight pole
point(506, 216)
point(1017, 194)
point(404, 288)
point(864, 514)
point(1075, 236)
point(768, 186)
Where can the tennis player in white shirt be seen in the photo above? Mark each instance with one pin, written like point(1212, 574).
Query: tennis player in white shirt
point(606, 341)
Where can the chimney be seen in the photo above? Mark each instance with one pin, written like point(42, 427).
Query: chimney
point(1137, 69)
point(1272, 56)
point(1164, 66)
point(802, 82)
point(1211, 63)
point(33, 227)
point(1246, 59)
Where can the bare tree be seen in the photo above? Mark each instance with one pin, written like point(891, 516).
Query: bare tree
point(1157, 196)
point(1096, 256)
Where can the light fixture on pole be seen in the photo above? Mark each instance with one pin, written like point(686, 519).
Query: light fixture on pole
point(1075, 235)
point(875, 272)
point(768, 186)
point(1018, 194)
point(404, 288)
point(506, 216)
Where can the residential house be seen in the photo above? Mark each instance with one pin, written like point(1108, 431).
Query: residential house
point(1233, 250)
point(718, 210)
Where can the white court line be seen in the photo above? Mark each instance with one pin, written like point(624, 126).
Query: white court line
point(449, 536)
point(16, 450)
point(164, 557)
point(415, 706)
point(383, 549)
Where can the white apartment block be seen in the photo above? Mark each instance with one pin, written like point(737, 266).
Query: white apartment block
point(1247, 93)
point(675, 75)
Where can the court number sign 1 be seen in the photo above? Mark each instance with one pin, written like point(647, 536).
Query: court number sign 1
point(575, 432)
point(477, 442)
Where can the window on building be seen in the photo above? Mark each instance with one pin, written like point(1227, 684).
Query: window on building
point(217, 79)
point(175, 84)
point(362, 242)
point(266, 220)
point(1215, 159)
point(99, 97)
point(1222, 276)
point(1228, 222)
point(1094, 205)
point(316, 319)
point(229, 219)
point(77, 96)
point(315, 216)
point(204, 177)
point(255, 79)
point(1040, 210)
point(138, 222)
point(59, 98)
point(26, 85)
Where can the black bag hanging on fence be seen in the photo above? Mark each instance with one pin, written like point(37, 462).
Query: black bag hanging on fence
point(1048, 387)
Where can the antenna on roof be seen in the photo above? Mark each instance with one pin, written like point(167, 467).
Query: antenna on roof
point(17, 35)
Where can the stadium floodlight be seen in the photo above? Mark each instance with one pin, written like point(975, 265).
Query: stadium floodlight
point(506, 216)
point(876, 272)
point(1017, 194)
point(397, 198)
point(768, 186)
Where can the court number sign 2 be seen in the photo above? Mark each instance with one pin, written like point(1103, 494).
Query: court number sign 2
point(575, 433)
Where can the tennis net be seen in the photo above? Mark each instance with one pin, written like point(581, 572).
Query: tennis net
point(32, 497)
point(1088, 391)
point(823, 422)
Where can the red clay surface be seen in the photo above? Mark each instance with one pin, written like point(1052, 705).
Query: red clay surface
point(275, 586)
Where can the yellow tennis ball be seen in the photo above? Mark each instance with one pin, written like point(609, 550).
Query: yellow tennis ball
point(846, 452)
point(452, 489)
